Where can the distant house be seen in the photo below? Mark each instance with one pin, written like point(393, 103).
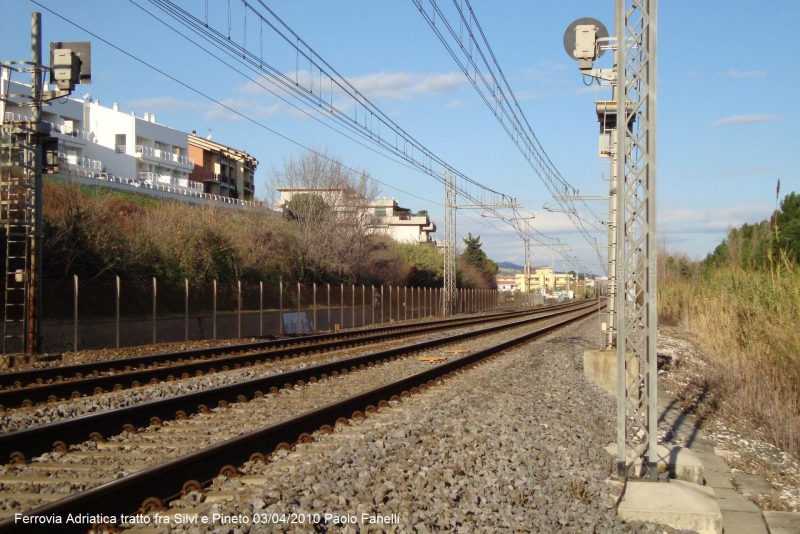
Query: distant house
point(506, 282)
point(390, 218)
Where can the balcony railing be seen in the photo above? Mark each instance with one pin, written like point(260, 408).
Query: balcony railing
point(163, 155)
point(208, 176)
point(62, 130)
point(148, 180)
point(78, 162)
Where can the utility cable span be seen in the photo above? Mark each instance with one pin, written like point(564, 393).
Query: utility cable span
point(215, 101)
point(521, 135)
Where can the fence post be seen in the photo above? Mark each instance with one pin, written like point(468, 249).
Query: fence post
point(117, 311)
point(186, 310)
point(405, 303)
point(381, 304)
point(75, 325)
point(341, 305)
point(298, 309)
point(155, 287)
point(329, 308)
point(363, 305)
point(214, 314)
point(353, 305)
point(260, 308)
point(314, 325)
point(398, 303)
point(390, 303)
point(239, 308)
point(280, 308)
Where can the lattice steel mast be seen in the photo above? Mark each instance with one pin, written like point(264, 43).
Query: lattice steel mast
point(637, 316)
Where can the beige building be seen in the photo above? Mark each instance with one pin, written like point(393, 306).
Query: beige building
point(544, 279)
point(222, 170)
point(506, 282)
point(390, 218)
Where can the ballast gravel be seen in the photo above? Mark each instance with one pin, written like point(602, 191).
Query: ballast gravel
point(515, 445)
point(20, 418)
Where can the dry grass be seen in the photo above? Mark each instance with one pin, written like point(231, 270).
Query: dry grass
point(747, 322)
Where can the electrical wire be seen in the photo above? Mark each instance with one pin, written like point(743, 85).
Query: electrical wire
point(229, 108)
point(522, 135)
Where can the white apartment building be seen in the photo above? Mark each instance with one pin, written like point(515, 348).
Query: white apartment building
point(397, 222)
point(400, 224)
point(96, 140)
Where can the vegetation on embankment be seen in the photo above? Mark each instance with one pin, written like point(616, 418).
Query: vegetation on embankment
point(742, 303)
point(96, 232)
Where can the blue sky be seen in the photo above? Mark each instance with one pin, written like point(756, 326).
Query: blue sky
point(727, 100)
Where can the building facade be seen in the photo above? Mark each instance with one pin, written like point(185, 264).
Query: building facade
point(222, 170)
point(389, 217)
point(543, 280)
point(113, 147)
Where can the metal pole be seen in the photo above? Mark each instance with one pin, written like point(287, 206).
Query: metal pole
point(398, 303)
point(372, 306)
point(341, 305)
point(314, 302)
point(239, 308)
point(186, 311)
point(260, 308)
point(155, 293)
point(117, 311)
point(35, 278)
point(329, 308)
point(280, 308)
point(363, 305)
point(75, 324)
point(390, 304)
point(353, 304)
point(381, 304)
point(214, 316)
point(405, 303)
point(297, 330)
point(637, 316)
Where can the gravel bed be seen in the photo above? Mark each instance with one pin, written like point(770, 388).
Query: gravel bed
point(97, 355)
point(515, 445)
point(18, 418)
point(157, 444)
point(682, 368)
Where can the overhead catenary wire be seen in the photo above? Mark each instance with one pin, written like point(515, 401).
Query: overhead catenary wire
point(494, 97)
point(556, 243)
point(468, 188)
point(413, 151)
point(229, 108)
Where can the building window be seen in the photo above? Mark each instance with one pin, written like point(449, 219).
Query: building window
point(380, 212)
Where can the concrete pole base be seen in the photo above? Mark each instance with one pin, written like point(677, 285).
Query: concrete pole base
point(677, 504)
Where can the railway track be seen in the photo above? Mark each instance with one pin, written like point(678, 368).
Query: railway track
point(28, 388)
point(189, 452)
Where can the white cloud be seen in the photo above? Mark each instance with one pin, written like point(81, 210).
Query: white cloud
point(711, 220)
point(165, 103)
point(745, 119)
point(219, 113)
point(738, 75)
point(457, 104)
point(745, 171)
point(403, 87)
point(380, 87)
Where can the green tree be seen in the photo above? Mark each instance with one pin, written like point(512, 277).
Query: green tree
point(473, 253)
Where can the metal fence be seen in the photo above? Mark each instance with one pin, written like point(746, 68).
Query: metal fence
point(113, 313)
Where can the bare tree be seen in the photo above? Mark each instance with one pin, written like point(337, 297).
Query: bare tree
point(330, 207)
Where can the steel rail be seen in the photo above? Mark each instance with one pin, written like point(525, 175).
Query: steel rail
point(21, 445)
point(117, 379)
point(150, 488)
